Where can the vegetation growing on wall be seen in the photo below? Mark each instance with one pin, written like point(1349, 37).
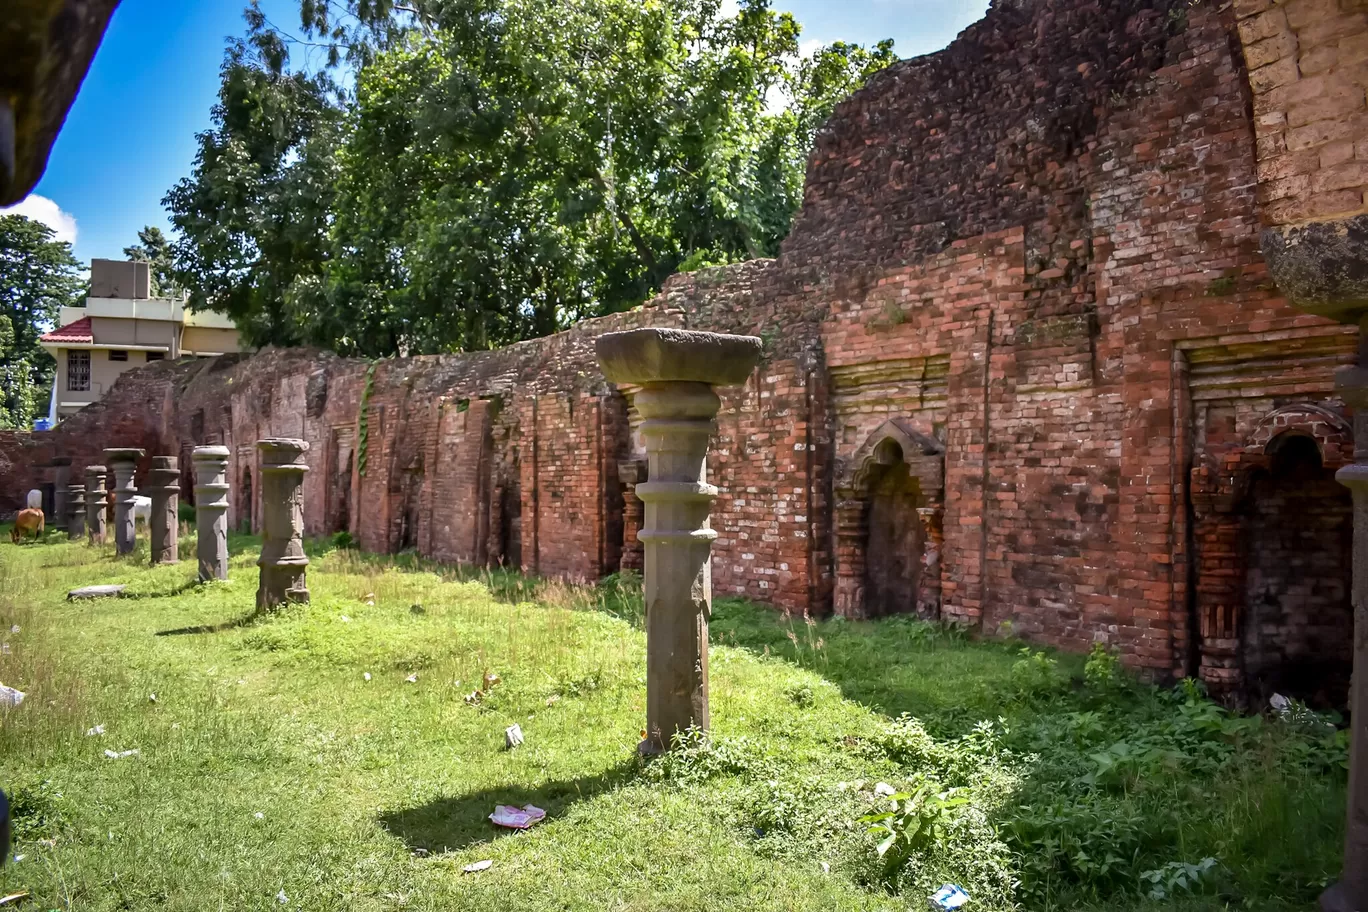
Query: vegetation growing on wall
point(363, 419)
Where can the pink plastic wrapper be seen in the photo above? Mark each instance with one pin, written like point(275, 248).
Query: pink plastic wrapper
point(506, 815)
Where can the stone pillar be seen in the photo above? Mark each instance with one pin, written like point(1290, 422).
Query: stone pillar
point(96, 496)
point(677, 371)
point(61, 480)
point(163, 525)
point(631, 473)
point(211, 510)
point(282, 559)
point(123, 463)
point(1322, 268)
point(1351, 893)
point(76, 512)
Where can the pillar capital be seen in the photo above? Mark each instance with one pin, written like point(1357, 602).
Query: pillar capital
point(676, 371)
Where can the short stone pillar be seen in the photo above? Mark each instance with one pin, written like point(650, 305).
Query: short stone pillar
point(163, 524)
point(76, 512)
point(96, 496)
point(677, 371)
point(211, 510)
point(61, 481)
point(282, 560)
point(123, 463)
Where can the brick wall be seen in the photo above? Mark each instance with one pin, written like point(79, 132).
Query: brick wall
point(1026, 277)
point(1308, 69)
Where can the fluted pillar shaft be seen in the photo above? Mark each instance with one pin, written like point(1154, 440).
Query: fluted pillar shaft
point(76, 512)
point(211, 510)
point(676, 371)
point(163, 524)
point(123, 463)
point(96, 496)
point(283, 561)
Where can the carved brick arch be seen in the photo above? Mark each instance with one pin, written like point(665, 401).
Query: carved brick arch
point(1333, 434)
point(892, 441)
point(898, 471)
point(1232, 518)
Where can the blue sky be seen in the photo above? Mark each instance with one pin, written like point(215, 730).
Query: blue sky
point(131, 133)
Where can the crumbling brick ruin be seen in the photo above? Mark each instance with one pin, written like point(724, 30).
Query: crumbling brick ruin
point(1024, 365)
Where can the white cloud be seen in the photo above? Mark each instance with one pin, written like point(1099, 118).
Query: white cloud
point(42, 209)
point(810, 46)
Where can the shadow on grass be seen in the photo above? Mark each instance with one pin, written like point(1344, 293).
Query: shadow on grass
point(452, 823)
point(246, 620)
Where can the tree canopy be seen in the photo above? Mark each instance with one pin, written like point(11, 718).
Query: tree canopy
point(484, 171)
point(37, 276)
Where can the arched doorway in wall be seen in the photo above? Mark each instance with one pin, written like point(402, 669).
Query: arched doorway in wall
point(895, 540)
point(1297, 635)
point(890, 500)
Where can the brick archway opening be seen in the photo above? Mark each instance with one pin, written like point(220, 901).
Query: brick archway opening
point(1296, 638)
point(895, 540)
point(888, 525)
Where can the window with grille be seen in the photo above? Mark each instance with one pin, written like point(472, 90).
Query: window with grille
point(155, 356)
point(78, 371)
point(117, 355)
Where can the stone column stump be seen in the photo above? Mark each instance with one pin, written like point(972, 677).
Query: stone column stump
point(677, 371)
point(123, 463)
point(96, 496)
point(61, 480)
point(211, 510)
point(282, 561)
point(163, 525)
point(76, 512)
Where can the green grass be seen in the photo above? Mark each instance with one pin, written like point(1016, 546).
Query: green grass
point(268, 763)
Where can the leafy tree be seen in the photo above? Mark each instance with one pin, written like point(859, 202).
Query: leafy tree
point(496, 169)
point(37, 276)
point(252, 218)
point(154, 249)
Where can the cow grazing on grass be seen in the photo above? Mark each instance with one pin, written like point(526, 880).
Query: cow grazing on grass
point(142, 508)
point(28, 521)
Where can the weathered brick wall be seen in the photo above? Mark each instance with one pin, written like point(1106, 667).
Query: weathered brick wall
point(1308, 68)
point(1027, 273)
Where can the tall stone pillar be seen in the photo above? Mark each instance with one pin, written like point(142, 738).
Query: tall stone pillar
point(61, 480)
point(96, 495)
point(211, 510)
point(123, 463)
point(677, 371)
point(76, 512)
point(163, 525)
point(282, 560)
point(1351, 893)
point(1322, 268)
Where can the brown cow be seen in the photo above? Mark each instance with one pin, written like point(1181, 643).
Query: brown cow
point(27, 521)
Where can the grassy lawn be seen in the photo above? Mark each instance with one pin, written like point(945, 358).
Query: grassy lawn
point(272, 773)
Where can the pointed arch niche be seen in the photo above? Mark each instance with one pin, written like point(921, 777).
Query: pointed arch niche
point(890, 500)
